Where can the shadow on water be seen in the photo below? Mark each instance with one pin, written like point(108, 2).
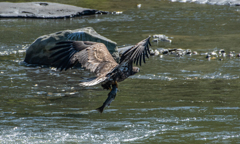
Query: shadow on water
point(172, 100)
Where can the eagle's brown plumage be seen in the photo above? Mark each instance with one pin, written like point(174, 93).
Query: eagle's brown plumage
point(96, 58)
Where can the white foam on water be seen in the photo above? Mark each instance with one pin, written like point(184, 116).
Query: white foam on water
point(190, 76)
point(211, 2)
point(130, 128)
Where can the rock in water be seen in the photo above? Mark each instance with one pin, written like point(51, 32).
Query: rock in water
point(38, 52)
point(43, 10)
point(161, 37)
point(156, 52)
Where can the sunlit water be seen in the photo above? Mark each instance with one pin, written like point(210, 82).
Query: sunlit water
point(172, 100)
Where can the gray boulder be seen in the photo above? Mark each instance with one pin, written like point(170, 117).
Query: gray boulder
point(38, 52)
point(43, 10)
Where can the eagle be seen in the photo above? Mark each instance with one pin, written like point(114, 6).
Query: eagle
point(95, 57)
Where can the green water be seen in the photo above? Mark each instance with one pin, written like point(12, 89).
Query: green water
point(172, 100)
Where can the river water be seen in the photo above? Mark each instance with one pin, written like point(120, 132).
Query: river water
point(185, 99)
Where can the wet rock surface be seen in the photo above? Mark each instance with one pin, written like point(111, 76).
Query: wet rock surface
point(38, 52)
point(44, 10)
point(161, 37)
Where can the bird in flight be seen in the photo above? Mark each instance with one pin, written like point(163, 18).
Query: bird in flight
point(95, 57)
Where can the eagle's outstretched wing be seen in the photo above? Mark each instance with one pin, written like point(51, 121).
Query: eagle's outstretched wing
point(137, 53)
point(91, 55)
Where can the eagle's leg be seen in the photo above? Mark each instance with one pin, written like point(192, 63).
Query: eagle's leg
point(110, 88)
point(115, 82)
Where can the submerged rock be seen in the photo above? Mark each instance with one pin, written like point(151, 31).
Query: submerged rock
point(224, 54)
point(204, 53)
point(152, 52)
point(163, 50)
point(117, 12)
point(156, 52)
point(176, 51)
point(213, 53)
point(231, 54)
point(194, 52)
point(38, 52)
point(189, 52)
point(43, 10)
point(208, 56)
point(221, 51)
point(161, 37)
point(179, 52)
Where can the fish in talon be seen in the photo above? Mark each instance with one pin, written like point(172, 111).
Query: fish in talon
point(111, 96)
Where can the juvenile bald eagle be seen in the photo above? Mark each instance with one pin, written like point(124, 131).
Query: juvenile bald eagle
point(96, 58)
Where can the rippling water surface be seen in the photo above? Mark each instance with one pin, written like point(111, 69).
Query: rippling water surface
point(172, 100)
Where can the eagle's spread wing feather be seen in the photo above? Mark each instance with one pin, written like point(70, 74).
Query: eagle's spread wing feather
point(95, 81)
point(91, 55)
point(137, 53)
point(96, 58)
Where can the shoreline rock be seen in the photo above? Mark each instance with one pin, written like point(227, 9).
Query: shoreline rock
point(38, 52)
point(43, 10)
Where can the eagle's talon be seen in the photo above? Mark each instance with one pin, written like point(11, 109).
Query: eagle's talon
point(115, 82)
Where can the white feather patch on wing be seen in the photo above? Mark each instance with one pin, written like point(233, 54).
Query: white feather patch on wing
point(93, 82)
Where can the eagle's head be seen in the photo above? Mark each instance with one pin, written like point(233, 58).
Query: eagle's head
point(135, 70)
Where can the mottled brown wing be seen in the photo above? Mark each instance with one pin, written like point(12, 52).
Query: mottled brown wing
point(64, 50)
point(93, 56)
point(96, 58)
